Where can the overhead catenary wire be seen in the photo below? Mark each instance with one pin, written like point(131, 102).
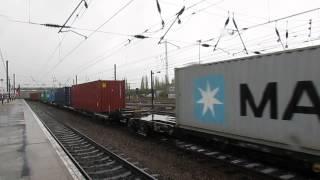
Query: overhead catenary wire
point(290, 31)
point(91, 34)
point(207, 60)
point(225, 25)
point(102, 58)
point(260, 38)
point(139, 60)
point(180, 12)
point(210, 57)
point(76, 28)
point(58, 47)
point(85, 4)
point(177, 18)
point(191, 61)
point(267, 48)
point(235, 25)
point(282, 18)
point(252, 51)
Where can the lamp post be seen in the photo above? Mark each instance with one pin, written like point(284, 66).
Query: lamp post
point(152, 90)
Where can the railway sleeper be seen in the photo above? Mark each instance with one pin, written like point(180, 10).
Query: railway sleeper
point(109, 173)
point(69, 138)
point(79, 148)
point(62, 138)
point(90, 149)
point(92, 162)
point(93, 156)
point(263, 169)
point(77, 153)
point(127, 175)
point(64, 132)
point(83, 143)
point(66, 136)
point(101, 165)
point(72, 141)
point(61, 129)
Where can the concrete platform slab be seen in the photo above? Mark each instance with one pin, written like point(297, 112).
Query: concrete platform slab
point(27, 150)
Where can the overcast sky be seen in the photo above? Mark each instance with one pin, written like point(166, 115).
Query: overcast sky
point(39, 55)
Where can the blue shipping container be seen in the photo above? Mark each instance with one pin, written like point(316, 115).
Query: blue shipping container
point(51, 95)
point(62, 96)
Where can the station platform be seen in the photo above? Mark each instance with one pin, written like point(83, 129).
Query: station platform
point(27, 150)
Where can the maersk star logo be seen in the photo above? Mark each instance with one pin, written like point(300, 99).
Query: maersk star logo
point(209, 99)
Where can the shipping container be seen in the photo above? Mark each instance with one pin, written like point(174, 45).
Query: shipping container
point(48, 96)
point(270, 99)
point(62, 96)
point(44, 96)
point(35, 96)
point(99, 96)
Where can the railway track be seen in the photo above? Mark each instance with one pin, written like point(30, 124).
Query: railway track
point(93, 160)
point(243, 164)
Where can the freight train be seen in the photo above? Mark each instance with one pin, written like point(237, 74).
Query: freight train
point(267, 103)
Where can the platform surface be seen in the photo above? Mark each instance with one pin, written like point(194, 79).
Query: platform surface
point(25, 150)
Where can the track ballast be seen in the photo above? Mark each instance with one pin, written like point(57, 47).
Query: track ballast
point(93, 160)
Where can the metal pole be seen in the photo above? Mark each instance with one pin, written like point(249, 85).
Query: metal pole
point(166, 54)
point(9, 92)
point(152, 94)
point(76, 80)
point(199, 49)
point(115, 72)
point(7, 69)
point(14, 84)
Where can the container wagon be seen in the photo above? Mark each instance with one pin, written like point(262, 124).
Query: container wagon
point(270, 100)
point(35, 96)
point(48, 96)
point(24, 94)
point(99, 96)
point(44, 96)
point(63, 96)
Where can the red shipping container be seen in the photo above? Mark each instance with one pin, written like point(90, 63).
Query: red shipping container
point(35, 96)
point(99, 96)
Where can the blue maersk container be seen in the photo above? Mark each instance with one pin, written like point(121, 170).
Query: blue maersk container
point(62, 96)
